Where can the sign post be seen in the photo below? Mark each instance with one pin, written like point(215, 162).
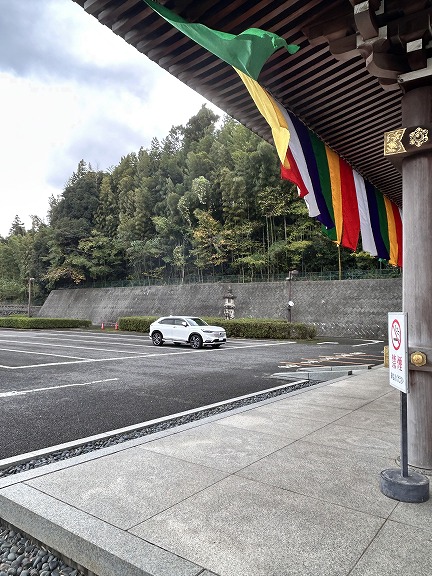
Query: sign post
point(394, 483)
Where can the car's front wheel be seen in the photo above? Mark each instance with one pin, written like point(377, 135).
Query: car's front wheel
point(196, 341)
point(157, 338)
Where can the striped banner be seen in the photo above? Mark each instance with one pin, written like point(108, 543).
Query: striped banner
point(335, 194)
point(340, 198)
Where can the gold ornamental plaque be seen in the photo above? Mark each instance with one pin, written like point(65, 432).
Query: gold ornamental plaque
point(408, 141)
point(418, 137)
point(393, 142)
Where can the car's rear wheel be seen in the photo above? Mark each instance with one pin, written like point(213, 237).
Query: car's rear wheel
point(157, 338)
point(196, 341)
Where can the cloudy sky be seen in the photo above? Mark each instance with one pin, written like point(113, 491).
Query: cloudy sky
point(70, 89)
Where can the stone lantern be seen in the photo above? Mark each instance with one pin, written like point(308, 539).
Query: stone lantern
point(229, 304)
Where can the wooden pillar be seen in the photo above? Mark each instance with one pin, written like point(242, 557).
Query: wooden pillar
point(417, 274)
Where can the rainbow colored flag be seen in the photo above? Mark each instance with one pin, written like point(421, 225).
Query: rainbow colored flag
point(340, 198)
point(335, 194)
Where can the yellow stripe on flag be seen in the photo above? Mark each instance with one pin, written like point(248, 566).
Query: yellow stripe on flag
point(391, 232)
point(271, 111)
point(336, 190)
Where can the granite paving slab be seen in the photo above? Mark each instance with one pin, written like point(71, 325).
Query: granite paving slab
point(339, 398)
point(222, 447)
point(364, 385)
point(92, 543)
point(389, 401)
point(298, 406)
point(329, 473)
point(273, 422)
point(358, 440)
point(239, 527)
point(371, 418)
point(127, 487)
point(418, 515)
point(397, 549)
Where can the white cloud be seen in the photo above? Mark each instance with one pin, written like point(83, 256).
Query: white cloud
point(33, 122)
point(72, 90)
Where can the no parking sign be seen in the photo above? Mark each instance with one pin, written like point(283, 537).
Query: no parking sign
point(398, 350)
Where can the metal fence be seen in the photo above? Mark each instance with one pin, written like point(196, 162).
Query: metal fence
point(13, 309)
point(354, 274)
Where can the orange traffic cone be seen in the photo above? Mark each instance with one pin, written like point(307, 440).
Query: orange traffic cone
point(116, 326)
point(102, 326)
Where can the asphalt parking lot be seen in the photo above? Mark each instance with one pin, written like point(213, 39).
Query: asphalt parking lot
point(58, 386)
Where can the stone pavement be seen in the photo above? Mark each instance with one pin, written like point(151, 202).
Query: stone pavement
point(286, 487)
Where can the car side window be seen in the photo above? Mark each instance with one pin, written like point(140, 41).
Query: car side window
point(179, 321)
point(167, 321)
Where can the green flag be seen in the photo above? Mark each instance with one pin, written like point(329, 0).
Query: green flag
point(247, 51)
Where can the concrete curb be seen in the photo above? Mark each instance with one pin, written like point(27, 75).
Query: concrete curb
point(94, 545)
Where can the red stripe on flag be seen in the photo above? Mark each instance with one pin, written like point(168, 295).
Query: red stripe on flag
point(293, 174)
point(350, 213)
point(398, 225)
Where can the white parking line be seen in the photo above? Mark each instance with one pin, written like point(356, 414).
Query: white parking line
point(61, 346)
point(154, 355)
point(24, 392)
point(261, 345)
point(367, 342)
point(98, 340)
point(84, 334)
point(40, 353)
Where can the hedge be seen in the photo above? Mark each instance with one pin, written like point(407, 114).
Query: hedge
point(136, 323)
point(237, 328)
point(26, 322)
point(264, 328)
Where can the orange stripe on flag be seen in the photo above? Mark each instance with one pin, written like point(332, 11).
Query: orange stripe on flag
point(335, 181)
point(393, 252)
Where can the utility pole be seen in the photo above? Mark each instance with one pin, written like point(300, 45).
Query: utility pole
point(289, 278)
point(30, 280)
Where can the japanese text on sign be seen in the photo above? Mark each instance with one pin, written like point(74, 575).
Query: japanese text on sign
point(398, 350)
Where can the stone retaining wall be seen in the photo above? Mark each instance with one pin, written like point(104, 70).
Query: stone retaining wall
point(356, 308)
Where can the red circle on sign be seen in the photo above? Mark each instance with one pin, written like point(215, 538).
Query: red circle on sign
point(396, 334)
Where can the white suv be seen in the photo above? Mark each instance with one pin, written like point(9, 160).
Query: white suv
point(186, 330)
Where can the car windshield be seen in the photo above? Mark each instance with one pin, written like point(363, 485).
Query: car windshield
point(197, 322)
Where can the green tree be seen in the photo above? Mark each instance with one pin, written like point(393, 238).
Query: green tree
point(79, 200)
point(99, 256)
point(107, 212)
point(209, 242)
point(72, 218)
point(17, 228)
point(198, 127)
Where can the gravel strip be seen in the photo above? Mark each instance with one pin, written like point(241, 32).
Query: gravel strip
point(151, 429)
point(20, 556)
